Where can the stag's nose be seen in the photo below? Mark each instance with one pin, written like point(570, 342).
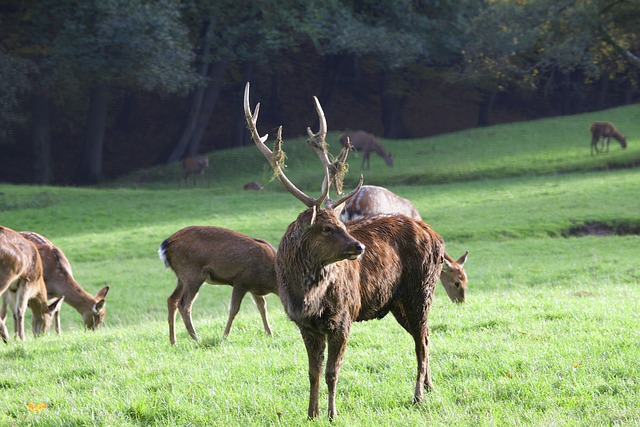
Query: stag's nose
point(359, 248)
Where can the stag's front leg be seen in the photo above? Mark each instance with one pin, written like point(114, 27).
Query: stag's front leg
point(237, 294)
point(315, 344)
point(337, 347)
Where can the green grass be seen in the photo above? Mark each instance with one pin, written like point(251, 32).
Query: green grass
point(549, 335)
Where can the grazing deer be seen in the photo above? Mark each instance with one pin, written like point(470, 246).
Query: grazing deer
point(331, 275)
point(372, 200)
point(605, 130)
point(193, 166)
point(216, 255)
point(253, 185)
point(366, 142)
point(22, 283)
point(59, 280)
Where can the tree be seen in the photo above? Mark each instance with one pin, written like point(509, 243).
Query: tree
point(85, 49)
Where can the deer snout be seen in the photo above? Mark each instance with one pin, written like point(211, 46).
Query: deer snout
point(357, 250)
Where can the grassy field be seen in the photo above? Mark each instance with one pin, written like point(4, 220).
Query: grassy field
point(549, 335)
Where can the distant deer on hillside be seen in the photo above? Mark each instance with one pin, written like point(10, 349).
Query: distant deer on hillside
point(193, 166)
point(366, 143)
point(604, 131)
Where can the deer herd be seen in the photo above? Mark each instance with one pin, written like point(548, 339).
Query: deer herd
point(357, 258)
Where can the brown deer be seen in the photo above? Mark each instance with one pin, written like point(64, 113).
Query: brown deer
point(372, 200)
point(604, 131)
point(366, 142)
point(58, 278)
point(22, 283)
point(216, 255)
point(193, 166)
point(327, 279)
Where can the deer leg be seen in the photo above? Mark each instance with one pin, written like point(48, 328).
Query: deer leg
point(237, 294)
point(56, 318)
point(315, 344)
point(261, 303)
point(21, 304)
point(189, 294)
point(172, 303)
point(420, 333)
point(337, 347)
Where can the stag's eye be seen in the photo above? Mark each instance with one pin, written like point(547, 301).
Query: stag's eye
point(457, 284)
point(326, 229)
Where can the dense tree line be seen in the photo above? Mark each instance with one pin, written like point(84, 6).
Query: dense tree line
point(63, 63)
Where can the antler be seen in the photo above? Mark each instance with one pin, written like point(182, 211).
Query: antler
point(276, 157)
point(336, 169)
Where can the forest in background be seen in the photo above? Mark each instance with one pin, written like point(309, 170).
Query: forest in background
point(92, 90)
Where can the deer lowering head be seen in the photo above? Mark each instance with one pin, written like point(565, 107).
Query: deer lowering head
point(59, 280)
point(22, 284)
point(605, 131)
point(366, 143)
point(327, 279)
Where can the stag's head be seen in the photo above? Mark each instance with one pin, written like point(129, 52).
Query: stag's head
point(317, 230)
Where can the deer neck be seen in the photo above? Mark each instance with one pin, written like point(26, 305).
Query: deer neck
point(73, 293)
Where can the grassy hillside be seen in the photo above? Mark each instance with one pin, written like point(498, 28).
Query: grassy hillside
point(548, 336)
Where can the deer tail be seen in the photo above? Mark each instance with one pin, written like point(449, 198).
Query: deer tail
point(162, 253)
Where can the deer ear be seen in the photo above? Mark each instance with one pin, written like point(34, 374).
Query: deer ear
point(102, 294)
point(447, 265)
point(98, 306)
point(463, 259)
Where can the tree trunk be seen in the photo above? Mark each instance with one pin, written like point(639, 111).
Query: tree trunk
point(241, 136)
point(211, 94)
point(41, 138)
point(90, 171)
point(486, 108)
point(392, 121)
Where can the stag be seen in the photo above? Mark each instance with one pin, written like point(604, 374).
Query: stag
point(372, 200)
point(328, 280)
point(605, 131)
point(22, 283)
point(216, 255)
point(59, 280)
point(367, 143)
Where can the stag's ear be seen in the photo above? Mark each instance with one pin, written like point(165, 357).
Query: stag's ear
point(337, 210)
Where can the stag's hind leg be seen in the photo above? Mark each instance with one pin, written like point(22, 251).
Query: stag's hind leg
point(416, 325)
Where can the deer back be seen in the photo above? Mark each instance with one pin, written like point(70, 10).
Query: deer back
point(220, 255)
point(372, 200)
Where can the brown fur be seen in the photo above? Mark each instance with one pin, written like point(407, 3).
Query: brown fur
point(22, 282)
point(366, 143)
point(372, 200)
point(323, 289)
point(605, 131)
point(330, 275)
point(216, 255)
point(193, 166)
point(59, 280)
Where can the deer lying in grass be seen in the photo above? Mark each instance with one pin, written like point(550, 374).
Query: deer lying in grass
point(366, 143)
point(22, 283)
point(216, 255)
point(605, 131)
point(372, 200)
point(330, 275)
point(59, 280)
point(193, 166)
